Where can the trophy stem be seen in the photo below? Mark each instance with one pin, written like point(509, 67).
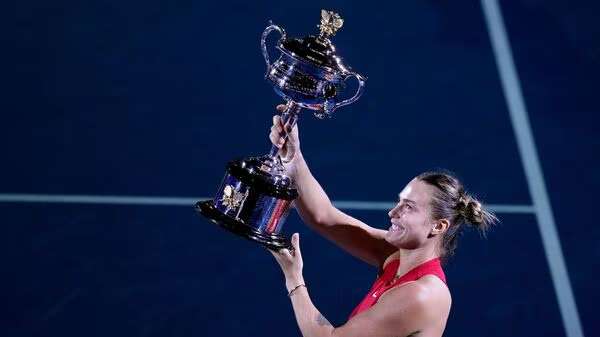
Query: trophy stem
point(289, 116)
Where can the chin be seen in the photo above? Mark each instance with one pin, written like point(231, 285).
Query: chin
point(394, 241)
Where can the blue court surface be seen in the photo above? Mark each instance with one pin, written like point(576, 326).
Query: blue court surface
point(118, 116)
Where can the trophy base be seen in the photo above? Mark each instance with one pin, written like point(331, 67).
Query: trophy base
point(235, 226)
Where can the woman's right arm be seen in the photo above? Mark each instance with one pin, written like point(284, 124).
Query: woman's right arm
point(354, 236)
point(317, 211)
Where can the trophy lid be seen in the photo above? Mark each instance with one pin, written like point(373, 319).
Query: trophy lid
point(319, 49)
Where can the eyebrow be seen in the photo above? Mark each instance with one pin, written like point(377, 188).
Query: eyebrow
point(407, 200)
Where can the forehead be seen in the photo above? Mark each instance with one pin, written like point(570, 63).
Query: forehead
point(417, 191)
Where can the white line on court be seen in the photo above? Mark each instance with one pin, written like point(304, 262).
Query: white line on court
point(189, 201)
point(533, 170)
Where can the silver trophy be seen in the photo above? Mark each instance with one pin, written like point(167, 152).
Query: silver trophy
point(256, 194)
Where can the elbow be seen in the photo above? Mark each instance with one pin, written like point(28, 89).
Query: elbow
point(317, 219)
point(322, 218)
point(316, 216)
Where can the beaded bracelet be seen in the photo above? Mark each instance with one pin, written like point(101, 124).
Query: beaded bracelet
point(298, 286)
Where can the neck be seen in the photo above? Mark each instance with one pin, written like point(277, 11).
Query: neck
point(410, 258)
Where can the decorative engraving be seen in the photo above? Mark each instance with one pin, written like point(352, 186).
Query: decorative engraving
point(232, 198)
point(292, 78)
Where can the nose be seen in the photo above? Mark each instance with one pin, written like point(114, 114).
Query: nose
point(393, 212)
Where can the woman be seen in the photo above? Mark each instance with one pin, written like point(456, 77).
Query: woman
point(410, 296)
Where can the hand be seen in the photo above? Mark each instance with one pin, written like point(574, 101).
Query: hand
point(289, 149)
point(291, 263)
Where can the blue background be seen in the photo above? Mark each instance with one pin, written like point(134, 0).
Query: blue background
point(152, 98)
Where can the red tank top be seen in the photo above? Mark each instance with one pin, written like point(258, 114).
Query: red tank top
point(385, 281)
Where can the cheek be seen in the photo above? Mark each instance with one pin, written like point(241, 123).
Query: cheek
point(419, 226)
point(415, 219)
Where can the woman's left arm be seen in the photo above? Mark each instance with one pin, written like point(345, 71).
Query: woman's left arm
point(310, 321)
point(399, 313)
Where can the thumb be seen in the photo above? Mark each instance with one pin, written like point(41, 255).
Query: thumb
point(296, 241)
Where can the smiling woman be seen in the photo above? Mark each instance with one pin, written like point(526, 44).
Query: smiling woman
point(410, 296)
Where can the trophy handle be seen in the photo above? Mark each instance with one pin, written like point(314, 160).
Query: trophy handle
point(361, 87)
point(263, 42)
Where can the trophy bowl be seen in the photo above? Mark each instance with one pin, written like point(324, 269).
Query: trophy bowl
point(256, 194)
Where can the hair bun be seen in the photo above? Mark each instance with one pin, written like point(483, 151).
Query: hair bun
point(462, 204)
point(470, 209)
point(473, 212)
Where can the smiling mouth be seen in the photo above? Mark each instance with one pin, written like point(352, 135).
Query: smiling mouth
point(396, 228)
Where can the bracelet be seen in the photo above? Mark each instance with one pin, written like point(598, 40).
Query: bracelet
point(298, 286)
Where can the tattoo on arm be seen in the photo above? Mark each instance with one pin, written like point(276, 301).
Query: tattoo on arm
point(321, 320)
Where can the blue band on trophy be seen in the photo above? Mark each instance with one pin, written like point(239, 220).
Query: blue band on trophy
point(270, 214)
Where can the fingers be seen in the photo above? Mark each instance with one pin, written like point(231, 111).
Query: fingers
point(288, 127)
point(296, 242)
point(281, 254)
point(277, 134)
point(276, 120)
point(279, 122)
point(281, 126)
point(276, 138)
point(280, 131)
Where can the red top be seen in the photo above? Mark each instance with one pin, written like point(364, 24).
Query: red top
point(386, 281)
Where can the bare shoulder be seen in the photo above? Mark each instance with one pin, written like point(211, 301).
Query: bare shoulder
point(415, 308)
point(428, 295)
point(438, 290)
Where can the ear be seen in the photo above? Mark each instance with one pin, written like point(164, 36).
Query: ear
point(440, 226)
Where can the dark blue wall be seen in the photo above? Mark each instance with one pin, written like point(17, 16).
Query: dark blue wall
point(152, 98)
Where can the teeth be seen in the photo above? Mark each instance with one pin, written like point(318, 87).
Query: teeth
point(396, 228)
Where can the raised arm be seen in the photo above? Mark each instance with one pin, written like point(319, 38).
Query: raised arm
point(316, 210)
